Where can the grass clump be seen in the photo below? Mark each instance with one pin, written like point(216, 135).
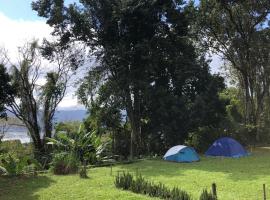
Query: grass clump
point(207, 196)
point(83, 172)
point(64, 163)
point(139, 185)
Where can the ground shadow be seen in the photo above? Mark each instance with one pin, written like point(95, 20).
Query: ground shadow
point(15, 188)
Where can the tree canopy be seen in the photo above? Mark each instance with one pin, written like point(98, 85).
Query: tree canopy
point(142, 48)
point(239, 31)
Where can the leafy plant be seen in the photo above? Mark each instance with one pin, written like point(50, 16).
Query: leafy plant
point(11, 166)
point(87, 147)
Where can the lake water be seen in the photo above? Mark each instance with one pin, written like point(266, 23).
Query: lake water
point(20, 133)
point(17, 133)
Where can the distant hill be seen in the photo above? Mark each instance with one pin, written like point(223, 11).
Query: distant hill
point(69, 115)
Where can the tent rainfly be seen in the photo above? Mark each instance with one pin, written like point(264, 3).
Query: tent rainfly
point(226, 147)
point(181, 153)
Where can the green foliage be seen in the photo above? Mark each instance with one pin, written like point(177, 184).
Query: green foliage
point(121, 141)
point(235, 124)
point(16, 148)
point(72, 149)
point(106, 117)
point(11, 166)
point(246, 134)
point(139, 185)
point(87, 147)
point(166, 90)
point(234, 107)
point(67, 127)
point(6, 89)
point(64, 163)
point(203, 137)
point(207, 196)
point(234, 30)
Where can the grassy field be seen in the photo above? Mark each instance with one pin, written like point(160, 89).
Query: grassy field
point(239, 179)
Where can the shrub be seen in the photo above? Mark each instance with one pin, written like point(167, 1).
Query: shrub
point(12, 166)
point(207, 196)
point(85, 146)
point(64, 163)
point(142, 186)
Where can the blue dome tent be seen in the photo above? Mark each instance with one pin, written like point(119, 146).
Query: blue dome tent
point(181, 153)
point(226, 147)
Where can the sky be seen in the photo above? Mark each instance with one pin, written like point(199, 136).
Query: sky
point(18, 10)
point(19, 23)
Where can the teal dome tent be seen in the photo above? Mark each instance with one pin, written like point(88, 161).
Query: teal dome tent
point(181, 153)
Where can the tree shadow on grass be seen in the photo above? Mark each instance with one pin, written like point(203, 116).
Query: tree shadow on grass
point(250, 168)
point(16, 188)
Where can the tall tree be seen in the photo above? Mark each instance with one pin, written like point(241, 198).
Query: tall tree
point(239, 30)
point(65, 60)
point(35, 104)
point(142, 47)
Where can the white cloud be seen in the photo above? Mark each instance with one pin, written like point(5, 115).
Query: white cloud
point(15, 33)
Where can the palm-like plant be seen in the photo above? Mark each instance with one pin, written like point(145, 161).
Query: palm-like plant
point(87, 147)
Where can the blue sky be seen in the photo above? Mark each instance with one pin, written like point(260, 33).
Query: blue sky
point(21, 9)
point(18, 9)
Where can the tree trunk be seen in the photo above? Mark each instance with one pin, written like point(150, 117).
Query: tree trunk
point(35, 136)
point(247, 110)
point(47, 129)
point(134, 118)
point(137, 120)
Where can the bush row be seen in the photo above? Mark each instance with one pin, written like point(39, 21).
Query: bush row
point(139, 185)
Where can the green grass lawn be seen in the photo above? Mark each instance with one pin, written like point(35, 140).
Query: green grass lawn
point(237, 179)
